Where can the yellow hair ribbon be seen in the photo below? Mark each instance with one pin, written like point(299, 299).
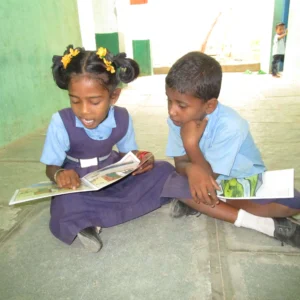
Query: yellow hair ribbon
point(66, 59)
point(101, 52)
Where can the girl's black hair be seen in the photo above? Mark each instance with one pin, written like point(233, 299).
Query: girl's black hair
point(89, 63)
point(196, 74)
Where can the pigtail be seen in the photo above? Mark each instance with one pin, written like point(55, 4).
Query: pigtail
point(128, 68)
point(64, 65)
point(58, 72)
point(108, 68)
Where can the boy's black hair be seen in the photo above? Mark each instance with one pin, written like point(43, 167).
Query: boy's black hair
point(196, 74)
point(89, 63)
point(279, 24)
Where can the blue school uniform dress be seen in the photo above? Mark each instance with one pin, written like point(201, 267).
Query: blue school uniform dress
point(228, 146)
point(68, 142)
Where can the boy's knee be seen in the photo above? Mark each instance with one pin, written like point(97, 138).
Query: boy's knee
point(284, 211)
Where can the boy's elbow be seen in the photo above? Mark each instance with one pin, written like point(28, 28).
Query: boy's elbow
point(215, 175)
point(178, 170)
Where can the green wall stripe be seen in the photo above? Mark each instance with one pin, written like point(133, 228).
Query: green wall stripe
point(142, 54)
point(109, 41)
point(277, 17)
point(28, 95)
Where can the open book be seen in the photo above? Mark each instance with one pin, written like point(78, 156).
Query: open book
point(268, 185)
point(90, 182)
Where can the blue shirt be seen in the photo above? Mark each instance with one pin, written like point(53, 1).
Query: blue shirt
point(57, 140)
point(226, 144)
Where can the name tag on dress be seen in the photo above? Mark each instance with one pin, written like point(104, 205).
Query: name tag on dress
point(84, 163)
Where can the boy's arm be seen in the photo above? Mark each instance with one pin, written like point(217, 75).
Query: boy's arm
point(183, 164)
point(282, 35)
point(199, 172)
point(191, 134)
point(202, 184)
point(196, 157)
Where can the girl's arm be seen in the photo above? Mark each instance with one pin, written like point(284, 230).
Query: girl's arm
point(142, 156)
point(68, 179)
point(128, 143)
point(122, 154)
point(51, 171)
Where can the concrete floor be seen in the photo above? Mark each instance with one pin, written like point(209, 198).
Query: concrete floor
point(156, 257)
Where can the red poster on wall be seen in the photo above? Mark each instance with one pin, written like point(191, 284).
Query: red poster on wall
point(132, 2)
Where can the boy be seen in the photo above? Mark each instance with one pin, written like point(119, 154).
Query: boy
point(208, 141)
point(278, 48)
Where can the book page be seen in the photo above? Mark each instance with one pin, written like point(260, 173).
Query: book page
point(268, 185)
point(277, 184)
point(44, 190)
point(112, 173)
point(90, 182)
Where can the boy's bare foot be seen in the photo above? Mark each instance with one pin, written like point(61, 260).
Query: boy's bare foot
point(276, 76)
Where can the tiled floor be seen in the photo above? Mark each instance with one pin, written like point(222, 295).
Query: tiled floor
point(156, 257)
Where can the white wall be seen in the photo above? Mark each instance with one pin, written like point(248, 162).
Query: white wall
point(292, 57)
point(134, 23)
point(267, 36)
point(105, 16)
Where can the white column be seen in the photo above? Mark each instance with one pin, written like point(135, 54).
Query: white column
point(87, 25)
point(266, 41)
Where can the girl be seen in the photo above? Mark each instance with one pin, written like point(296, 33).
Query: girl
point(80, 140)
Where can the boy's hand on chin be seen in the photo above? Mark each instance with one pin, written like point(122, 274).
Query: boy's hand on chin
point(202, 185)
point(192, 131)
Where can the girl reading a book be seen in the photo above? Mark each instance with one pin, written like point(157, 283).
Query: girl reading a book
point(80, 140)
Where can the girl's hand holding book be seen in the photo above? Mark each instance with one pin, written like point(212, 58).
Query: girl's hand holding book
point(146, 164)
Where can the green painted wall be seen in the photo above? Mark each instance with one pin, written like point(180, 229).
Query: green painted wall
point(142, 54)
point(108, 40)
point(31, 32)
point(278, 11)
